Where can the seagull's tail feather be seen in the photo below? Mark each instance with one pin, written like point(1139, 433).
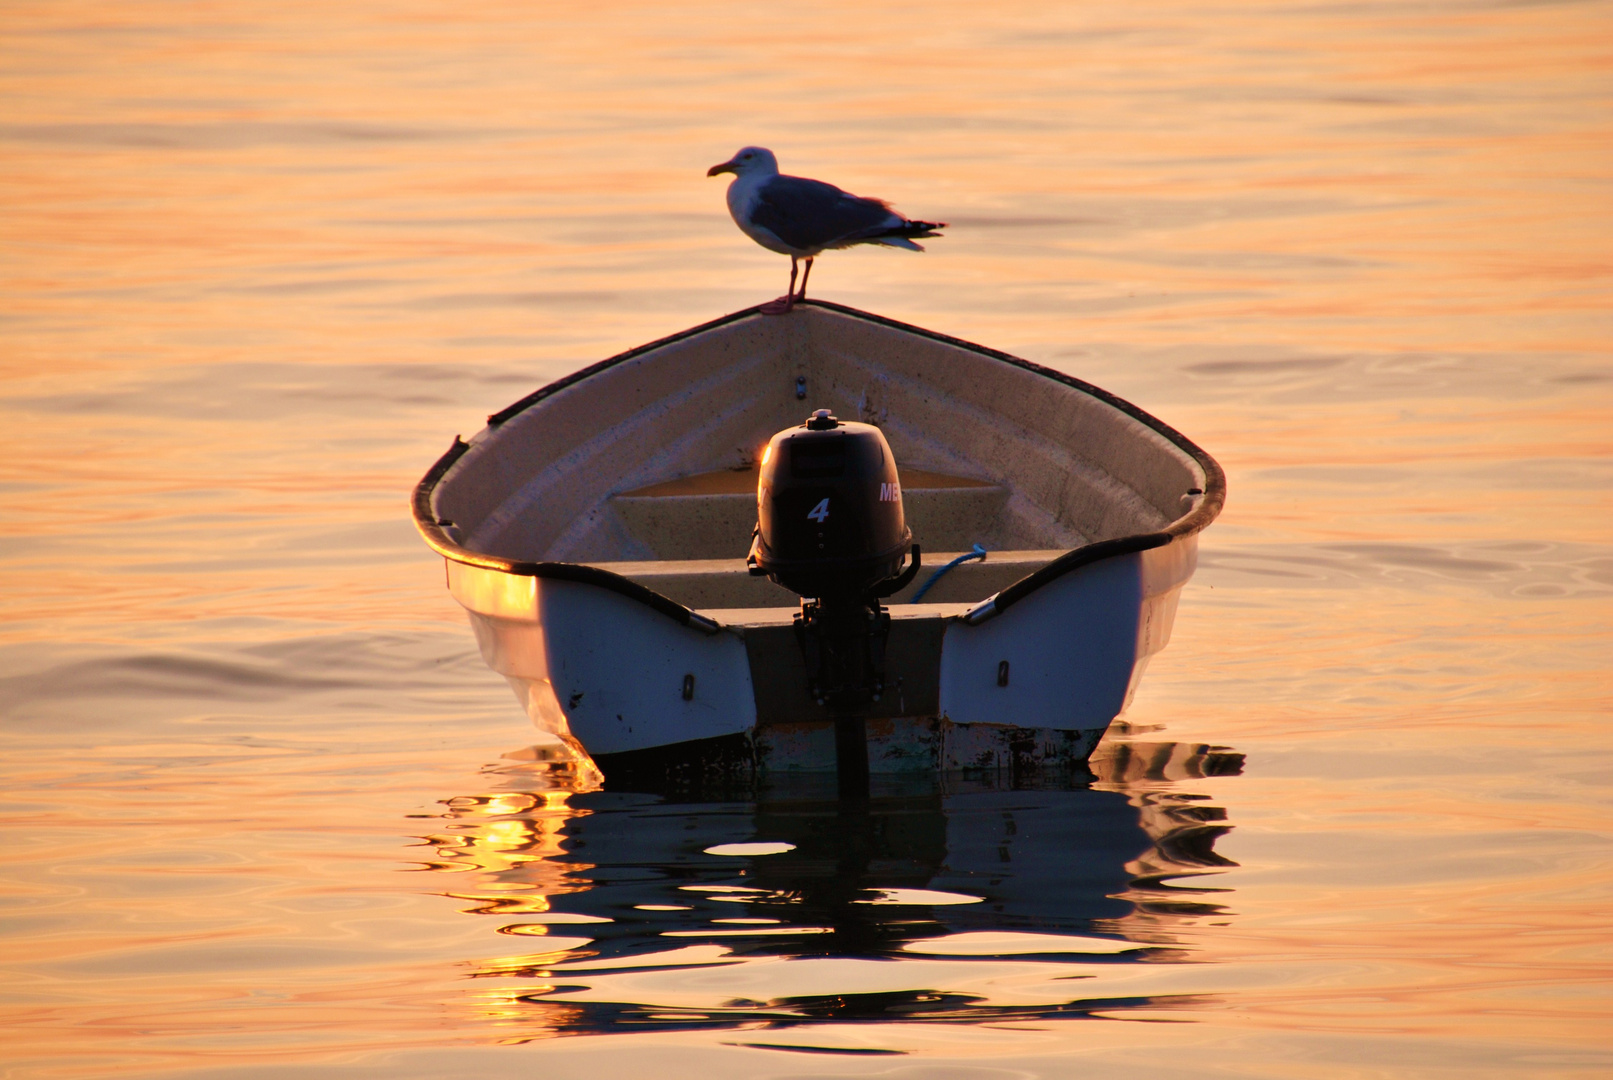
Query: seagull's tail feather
point(902, 235)
point(916, 230)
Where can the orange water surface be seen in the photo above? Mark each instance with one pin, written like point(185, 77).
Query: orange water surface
point(266, 810)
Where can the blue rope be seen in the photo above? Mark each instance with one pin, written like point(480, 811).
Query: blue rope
point(978, 553)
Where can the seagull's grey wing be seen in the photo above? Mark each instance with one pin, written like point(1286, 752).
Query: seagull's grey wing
point(811, 215)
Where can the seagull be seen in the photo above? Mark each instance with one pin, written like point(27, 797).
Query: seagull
point(798, 217)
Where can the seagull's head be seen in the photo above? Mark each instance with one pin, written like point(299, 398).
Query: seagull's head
point(752, 159)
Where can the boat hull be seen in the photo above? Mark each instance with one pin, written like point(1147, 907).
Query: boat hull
point(1037, 685)
point(596, 532)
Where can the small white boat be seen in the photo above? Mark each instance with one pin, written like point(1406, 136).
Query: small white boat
point(597, 531)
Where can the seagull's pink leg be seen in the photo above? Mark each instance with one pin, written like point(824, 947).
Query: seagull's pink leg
point(784, 303)
point(802, 294)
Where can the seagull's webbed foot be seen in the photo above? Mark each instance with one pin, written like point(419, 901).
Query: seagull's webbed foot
point(781, 306)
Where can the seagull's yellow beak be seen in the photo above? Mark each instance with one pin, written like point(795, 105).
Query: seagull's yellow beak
point(727, 166)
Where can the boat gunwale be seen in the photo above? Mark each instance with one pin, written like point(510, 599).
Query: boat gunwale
point(1206, 509)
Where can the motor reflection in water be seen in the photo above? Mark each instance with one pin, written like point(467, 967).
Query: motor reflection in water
point(617, 897)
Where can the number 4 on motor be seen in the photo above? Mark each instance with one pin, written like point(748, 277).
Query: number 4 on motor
point(819, 512)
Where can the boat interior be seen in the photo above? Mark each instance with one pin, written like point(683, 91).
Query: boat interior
point(647, 464)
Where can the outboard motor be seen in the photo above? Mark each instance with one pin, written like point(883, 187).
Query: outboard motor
point(830, 528)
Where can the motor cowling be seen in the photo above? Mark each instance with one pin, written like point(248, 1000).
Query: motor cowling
point(829, 511)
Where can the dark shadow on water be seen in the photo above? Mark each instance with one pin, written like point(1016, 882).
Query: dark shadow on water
point(1106, 865)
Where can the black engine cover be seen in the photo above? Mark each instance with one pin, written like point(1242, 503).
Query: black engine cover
point(829, 510)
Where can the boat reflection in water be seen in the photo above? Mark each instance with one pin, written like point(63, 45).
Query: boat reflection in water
point(627, 903)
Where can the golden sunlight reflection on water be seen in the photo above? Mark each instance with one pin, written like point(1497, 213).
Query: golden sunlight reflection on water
point(1066, 876)
point(262, 261)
